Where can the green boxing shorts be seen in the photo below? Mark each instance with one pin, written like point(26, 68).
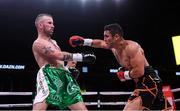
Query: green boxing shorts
point(57, 87)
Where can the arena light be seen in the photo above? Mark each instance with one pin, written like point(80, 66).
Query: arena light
point(84, 2)
point(85, 69)
point(176, 47)
point(117, 1)
point(113, 70)
point(177, 73)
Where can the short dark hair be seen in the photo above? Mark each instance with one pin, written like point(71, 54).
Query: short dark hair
point(39, 16)
point(114, 28)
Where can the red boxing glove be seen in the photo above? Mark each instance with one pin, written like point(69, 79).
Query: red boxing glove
point(123, 75)
point(75, 41)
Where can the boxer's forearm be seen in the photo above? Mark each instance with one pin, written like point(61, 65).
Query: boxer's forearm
point(97, 43)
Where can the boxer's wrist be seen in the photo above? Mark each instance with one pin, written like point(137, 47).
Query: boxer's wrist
point(77, 57)
point(127, 75)
point(87, 42)
point(123, 75)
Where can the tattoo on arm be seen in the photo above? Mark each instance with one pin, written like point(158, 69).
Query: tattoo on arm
point(64, 55)
point(47, 50)
point(67, 57)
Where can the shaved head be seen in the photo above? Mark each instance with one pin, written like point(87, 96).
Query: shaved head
point(40, 18)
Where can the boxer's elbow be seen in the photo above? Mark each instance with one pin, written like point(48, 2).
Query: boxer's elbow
point(141, 73)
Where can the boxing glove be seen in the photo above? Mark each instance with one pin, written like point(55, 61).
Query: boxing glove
point(84, 57)
point(76, 40)
point(74, 72)
point(123, 74)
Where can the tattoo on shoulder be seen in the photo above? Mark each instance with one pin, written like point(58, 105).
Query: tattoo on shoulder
point(67, 57)
point(47, 50)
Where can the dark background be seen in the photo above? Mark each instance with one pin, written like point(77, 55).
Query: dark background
point(151, 23)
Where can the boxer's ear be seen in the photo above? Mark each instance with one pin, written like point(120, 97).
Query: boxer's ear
point(116, 36)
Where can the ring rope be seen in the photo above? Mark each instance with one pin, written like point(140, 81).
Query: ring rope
point(83, 93)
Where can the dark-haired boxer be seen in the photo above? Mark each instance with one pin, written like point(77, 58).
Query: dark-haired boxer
point(134, 65)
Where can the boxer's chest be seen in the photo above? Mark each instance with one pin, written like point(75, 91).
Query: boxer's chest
point(122, 58)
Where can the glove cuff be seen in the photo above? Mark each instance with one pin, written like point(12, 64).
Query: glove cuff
point(77, 57)
point(87, 42)
point(126, 75)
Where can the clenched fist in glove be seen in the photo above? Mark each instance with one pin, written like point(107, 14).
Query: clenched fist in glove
point(76, 40)
point(74, 72)
point(84, 57)
point(123, 74)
